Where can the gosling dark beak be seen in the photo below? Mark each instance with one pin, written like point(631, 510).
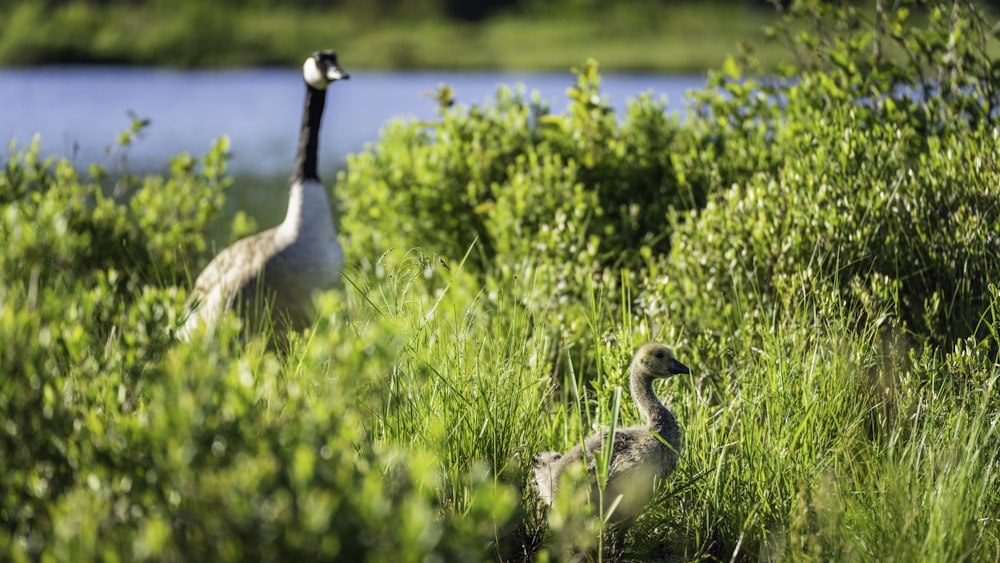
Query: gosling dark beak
point(678, 368)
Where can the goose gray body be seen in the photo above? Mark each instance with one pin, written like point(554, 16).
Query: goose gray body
point(639, 459)
point(276, 272)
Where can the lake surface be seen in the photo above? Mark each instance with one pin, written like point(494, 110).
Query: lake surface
point(79, 111)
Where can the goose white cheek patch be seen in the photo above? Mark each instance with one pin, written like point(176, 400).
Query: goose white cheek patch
point(313, 75)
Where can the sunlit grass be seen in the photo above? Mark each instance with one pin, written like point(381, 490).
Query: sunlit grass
point(799, 449)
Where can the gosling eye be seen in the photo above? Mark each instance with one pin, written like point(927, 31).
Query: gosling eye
point(660, 354)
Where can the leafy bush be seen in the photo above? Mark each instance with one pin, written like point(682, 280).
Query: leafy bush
point(119, 443)
point(877, 179)
point(81, 230)
point(87, 306)
point(554, 204)
point(511, 174)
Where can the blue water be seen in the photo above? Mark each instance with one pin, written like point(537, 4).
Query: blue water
point(79, 111)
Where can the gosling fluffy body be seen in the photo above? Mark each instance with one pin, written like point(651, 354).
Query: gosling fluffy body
point(639, 459)
point(276, 272)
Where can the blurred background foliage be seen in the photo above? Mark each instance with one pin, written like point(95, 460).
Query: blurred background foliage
point(629, 35)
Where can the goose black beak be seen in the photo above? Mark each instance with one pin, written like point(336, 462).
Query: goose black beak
point(678, 368)
point(336, 73)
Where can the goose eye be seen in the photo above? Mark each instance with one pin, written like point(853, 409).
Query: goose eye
point(659, 354)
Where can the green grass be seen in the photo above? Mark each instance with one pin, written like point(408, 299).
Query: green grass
point(815, 441)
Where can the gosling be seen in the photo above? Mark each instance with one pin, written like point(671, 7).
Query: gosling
point(639, 459)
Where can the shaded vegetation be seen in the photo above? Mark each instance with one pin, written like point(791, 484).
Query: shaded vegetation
point(634, 35)
point(646, 36)
point(821, 247)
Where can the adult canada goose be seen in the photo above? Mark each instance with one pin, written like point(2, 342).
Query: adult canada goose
point(639, 459)
point(270, 277)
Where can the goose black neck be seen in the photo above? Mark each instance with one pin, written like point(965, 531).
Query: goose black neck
point(312, 115)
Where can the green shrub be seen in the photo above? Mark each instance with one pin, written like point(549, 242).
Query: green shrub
point(121, 444)
point(556, 205)
point(510, 175)
point(56, 224)
point(889, 198)
point(859, 211)
point(88, 304)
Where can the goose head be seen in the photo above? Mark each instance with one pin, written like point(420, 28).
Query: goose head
point(321, 69)
point(656, 360)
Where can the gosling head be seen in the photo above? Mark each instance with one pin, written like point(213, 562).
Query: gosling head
point(321, 69)
point(657, 360)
